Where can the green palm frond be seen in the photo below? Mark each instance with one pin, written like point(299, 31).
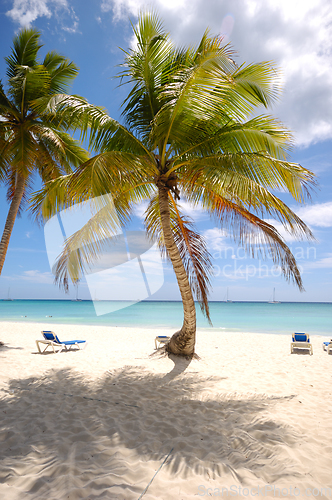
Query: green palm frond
point(258, 238)
point(122, 175)
point(144, 68)
point(247, 194)
point(24, 53)
point(84, 247)
point(67, 111)
point(22, 149)
point(57, 152)
point(61, 70)
point(112, 213)
point(76, 113)
point(107, 135)
point(28, 84)
point(249, 177)
point(53, 197)
point(114, 171)
point(260, 83)
point(203, 138)
point(210, 94)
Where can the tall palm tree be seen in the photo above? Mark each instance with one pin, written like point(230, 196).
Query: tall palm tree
point(190, 132)
point(33, 138)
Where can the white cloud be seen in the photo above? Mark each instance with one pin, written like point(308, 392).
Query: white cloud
point(318, 215)
point(324, 263)
point(295, 34)
point(215, 239)
point(140, 209)
point(25, 12)
point(73, 28)
point(34, 276)
point(195, 212)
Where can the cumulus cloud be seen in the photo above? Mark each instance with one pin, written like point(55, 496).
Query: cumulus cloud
point(295, 34)
point(318, 215)
point(25, 12)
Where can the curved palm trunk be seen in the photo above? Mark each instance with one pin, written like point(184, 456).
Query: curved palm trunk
point(12, 213)
point(183, 341)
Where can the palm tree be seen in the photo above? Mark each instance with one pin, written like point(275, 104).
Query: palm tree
point(33, 139)
point(189, 131)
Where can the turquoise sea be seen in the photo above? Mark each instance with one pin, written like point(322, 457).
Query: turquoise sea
point(313, 318)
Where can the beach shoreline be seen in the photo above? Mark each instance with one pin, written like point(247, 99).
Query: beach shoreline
point(105, 421)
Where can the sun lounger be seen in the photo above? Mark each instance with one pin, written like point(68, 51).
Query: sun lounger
point(327, 346)
point(301, 341)
point(52, 340)
point(161, 339)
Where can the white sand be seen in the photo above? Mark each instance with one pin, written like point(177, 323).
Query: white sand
point(99, 423)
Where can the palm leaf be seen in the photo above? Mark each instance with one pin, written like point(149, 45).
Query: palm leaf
point(258, 238)
point(25, 49)
point(83, 248)
point(248, 177)
point(122, 175)
point(61, 70)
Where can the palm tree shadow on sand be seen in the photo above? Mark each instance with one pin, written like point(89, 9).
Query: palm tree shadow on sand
point(83, 433)
point(6, 347)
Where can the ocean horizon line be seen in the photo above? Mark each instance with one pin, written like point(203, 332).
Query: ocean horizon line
point(178, 301)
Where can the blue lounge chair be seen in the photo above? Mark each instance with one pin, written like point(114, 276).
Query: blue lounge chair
point(301, 341)
point(327, 346)
point(52, 340)
point(161, 339)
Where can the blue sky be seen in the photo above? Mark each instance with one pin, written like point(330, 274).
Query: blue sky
point(296, 35)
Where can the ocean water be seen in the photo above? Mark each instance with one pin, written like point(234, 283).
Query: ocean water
point(313, 318)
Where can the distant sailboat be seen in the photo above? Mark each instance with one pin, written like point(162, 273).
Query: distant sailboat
point(227, 299)
point(274, 301)
point(8, 297)
point(77, 299)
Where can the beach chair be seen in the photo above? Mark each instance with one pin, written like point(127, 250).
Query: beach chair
point(327, 346)
point(161, 339)
point(52, 340)
point(301, 341)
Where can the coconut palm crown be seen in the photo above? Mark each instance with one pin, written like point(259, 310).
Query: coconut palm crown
point(190, 132)
point(32, 139)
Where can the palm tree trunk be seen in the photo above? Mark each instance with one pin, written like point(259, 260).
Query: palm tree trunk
point(12, 213)
point(183, 341)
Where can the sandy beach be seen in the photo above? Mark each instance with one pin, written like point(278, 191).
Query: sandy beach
point(110, 422)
